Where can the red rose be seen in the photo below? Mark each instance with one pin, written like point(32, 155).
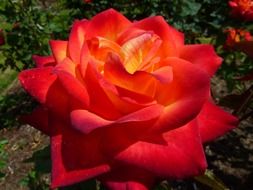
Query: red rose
point(235, 37)
point(125, 102)
point(242, 9)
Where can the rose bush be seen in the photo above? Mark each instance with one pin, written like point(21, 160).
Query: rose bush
point(242, 9)
point(125, 102)
point(235, 37)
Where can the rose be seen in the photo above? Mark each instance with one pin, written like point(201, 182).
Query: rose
point(125, 102)
point(240, 40)
point(242, 9)
point(235, 37)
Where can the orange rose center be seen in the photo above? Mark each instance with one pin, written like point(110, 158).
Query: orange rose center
point(137, 53)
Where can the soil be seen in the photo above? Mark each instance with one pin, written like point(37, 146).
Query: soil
point(231, 157)
point(23, 141)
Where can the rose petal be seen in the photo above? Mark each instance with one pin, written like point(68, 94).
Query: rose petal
point(181, 156)
point(131, 33)
point(43, 61)
point(128, 178)
point(37, 82)
point(84, 59)
point(163, 74)
point(214, 122)
point(59, 49)
point(144, 43)
point(99, 48)
point(66, 65)
point(70, 163)
point(170, 36)
point(99, 101)
point(124, 101)
point(202, 55)
point(74, 88)
point(125, 185)
point(115, 23)
point(127, 102)
point(76, 39)
point(86, 121)
point(116, 74)
point(184, 96)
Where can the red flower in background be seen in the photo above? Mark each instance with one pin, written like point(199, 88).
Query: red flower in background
point(2, 41)
point(126, 102)
point(234, 36)
point(87, 1)
point(242, 9)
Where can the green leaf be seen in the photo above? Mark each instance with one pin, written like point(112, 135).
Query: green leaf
point(2, 175)
point(211, 180)
point(189, 8)
point(3, 142)
point(42, 161)
point(205, 40)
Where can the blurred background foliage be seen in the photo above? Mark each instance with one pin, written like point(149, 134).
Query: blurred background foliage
point(26, 26)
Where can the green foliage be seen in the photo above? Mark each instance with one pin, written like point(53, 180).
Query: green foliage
point(7, 78)
point(28, 26)
point(34, 180)
point(12, 106)
point(211, 180)
point(42, 165)
point(3, 157)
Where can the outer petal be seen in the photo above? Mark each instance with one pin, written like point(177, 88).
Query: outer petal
point(75, 157)
point(38, 119)
point(38, 82)
point(43, 85)
point(128, 178)
point(184, 96)
point(125, 185)
point(107, 24)
point(202, 55)
point(76, 39)
point(59, 49)
point(43, 61)
point(172, 39)
point(214, 122)
point(180, 156)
